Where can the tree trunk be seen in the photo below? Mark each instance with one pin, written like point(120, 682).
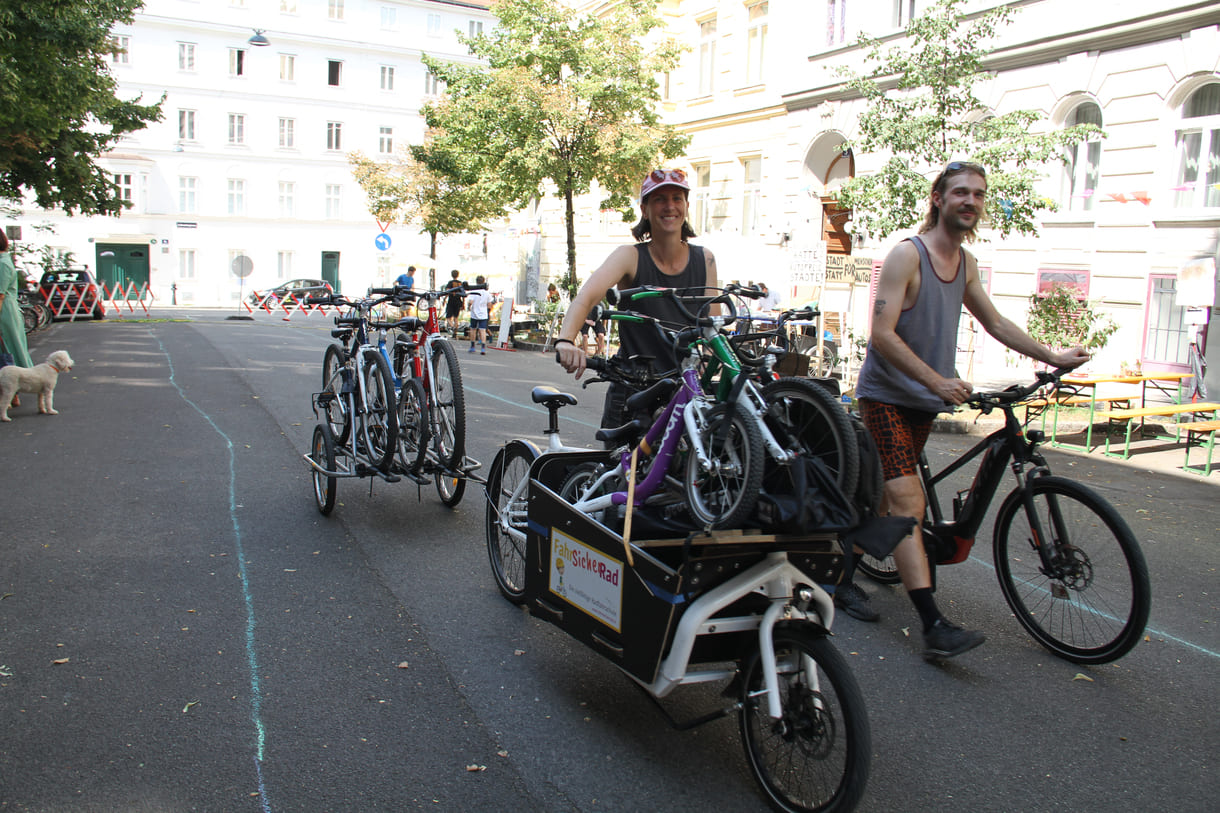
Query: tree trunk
point(569, 217)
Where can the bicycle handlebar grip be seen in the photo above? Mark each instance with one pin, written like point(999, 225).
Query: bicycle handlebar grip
point(382, 291)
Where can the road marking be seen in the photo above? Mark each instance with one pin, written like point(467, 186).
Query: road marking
point(256, 693)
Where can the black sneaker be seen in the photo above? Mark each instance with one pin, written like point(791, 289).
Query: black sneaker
point(946, 640)
point(852, 600)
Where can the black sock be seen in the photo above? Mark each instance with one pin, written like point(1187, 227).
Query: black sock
point(925, 605)
point(849, 568)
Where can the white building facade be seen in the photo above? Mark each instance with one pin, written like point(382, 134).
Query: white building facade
point(250, 160)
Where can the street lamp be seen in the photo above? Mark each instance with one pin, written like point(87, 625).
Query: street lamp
point(258, 40)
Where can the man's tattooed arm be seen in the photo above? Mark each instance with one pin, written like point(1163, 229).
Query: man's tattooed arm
point(878, 307)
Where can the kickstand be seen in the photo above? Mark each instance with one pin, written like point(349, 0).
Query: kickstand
point(687, 725)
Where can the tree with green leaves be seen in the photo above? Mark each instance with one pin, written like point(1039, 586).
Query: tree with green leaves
point(562, 97)
point(405, 190)
point(60, 111)
point(922, 111)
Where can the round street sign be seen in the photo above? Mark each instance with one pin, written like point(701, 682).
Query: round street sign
point(382, 241)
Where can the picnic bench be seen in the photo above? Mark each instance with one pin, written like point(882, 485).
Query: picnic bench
point(1128, 416)
point(1064, 399)
point(1195, 430)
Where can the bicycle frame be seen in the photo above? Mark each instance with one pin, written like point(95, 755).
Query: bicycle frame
point(1005, 447)
point(675, 419)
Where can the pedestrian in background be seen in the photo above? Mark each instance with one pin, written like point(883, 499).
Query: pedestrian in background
point(479, 302)
point(453, 302)
point(12, 325)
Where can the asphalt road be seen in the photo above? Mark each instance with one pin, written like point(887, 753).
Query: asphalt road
point(181, 630)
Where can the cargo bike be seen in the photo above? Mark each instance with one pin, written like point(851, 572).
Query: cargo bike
point(672, 605)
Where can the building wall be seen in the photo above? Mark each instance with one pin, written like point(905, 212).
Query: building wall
point(370, 34)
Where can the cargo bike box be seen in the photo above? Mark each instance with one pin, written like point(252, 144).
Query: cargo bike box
point(578, 577)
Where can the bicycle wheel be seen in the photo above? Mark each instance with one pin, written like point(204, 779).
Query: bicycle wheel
point(323, 453)
point(30, 317)
point(1093, 605)
point(815, 757)
point(805, 418)
point(724, 495)
point(334, 399)
point(412, 425)
point(449, 409)
point(882, 571)
point(507, 484)
point(379, 428)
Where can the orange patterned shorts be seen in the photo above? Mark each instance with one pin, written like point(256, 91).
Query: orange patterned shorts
point(900, 434)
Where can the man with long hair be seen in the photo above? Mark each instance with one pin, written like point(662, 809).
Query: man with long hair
point(909, 375)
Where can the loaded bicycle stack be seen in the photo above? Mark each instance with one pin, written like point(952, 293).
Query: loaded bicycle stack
point(391, 404)
point(692, 551)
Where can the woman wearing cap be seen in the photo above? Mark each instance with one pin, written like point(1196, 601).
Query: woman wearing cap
point(662, 257)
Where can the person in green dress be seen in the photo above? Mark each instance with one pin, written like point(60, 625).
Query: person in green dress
point(12, 326)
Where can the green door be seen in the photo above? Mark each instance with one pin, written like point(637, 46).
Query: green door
point(330, 269)
point(119, 265)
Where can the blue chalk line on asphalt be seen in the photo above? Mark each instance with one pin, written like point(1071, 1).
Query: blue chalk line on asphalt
point(256, 694)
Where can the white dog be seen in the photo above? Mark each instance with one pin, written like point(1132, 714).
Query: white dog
point(38, 379)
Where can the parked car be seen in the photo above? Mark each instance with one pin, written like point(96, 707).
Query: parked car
point(298, 289)
point(71, 294)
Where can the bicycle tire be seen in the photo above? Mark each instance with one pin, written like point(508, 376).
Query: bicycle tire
point(882, 571)
point(413, 434)
point(804, 417)
point(379, 424)
point(449, 411)
point(816, 756)
point(1075, 616)
point(507, 485)
point(30, 319)
point(336, 401)
point(725, 496)
point(323, 453)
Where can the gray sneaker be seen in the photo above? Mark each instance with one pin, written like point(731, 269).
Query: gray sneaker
point(852, 600)
point(947, 640)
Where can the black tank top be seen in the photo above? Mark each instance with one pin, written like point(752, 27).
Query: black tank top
point(643, 339)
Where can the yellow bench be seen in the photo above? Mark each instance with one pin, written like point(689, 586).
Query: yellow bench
point(1164, 410)
point(1065, 399)
point(1199, 428)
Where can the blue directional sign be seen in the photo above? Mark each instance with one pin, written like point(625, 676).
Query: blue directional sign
point(382, 241)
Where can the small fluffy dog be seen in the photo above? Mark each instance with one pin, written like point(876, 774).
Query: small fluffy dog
point(38, 379)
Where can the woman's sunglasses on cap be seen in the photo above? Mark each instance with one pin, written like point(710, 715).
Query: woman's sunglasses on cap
point(663, 175)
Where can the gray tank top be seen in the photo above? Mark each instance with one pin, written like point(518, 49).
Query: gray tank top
point(929, 327)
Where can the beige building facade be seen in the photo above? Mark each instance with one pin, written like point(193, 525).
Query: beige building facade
point(1138, 211)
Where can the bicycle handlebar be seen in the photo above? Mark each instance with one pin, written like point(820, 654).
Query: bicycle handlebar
point(987, 401)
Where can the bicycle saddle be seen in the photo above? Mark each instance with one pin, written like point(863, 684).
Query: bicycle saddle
point(551, 398)
point(656, 394)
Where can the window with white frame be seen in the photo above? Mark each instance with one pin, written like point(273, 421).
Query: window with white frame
point(434, 25)
point(389, 17)
point(334, 9)
point(1082, 162)
point(707, 57)
point(334, 201)
point(237, 196)
point(126, 189)
point(237, 128)
point(288, 6)
point(186, 263)
point(334, 72)
point(237, 62)
point(283, 265)
point(387, 77)
point(287, 199)
point(122, 44)
point(904, 12)
point(432, 84)
point(288, 133)
point(1197, 143)
point(476, 27)
point(288, 67)
point(701, 198)
point(751, 194)
point(1167, 336)
point(186, 125)
point(385, 140)
point(186, 56)
point(836, 22)
point(187, 188)
point(756, 40)
point(334, 135)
